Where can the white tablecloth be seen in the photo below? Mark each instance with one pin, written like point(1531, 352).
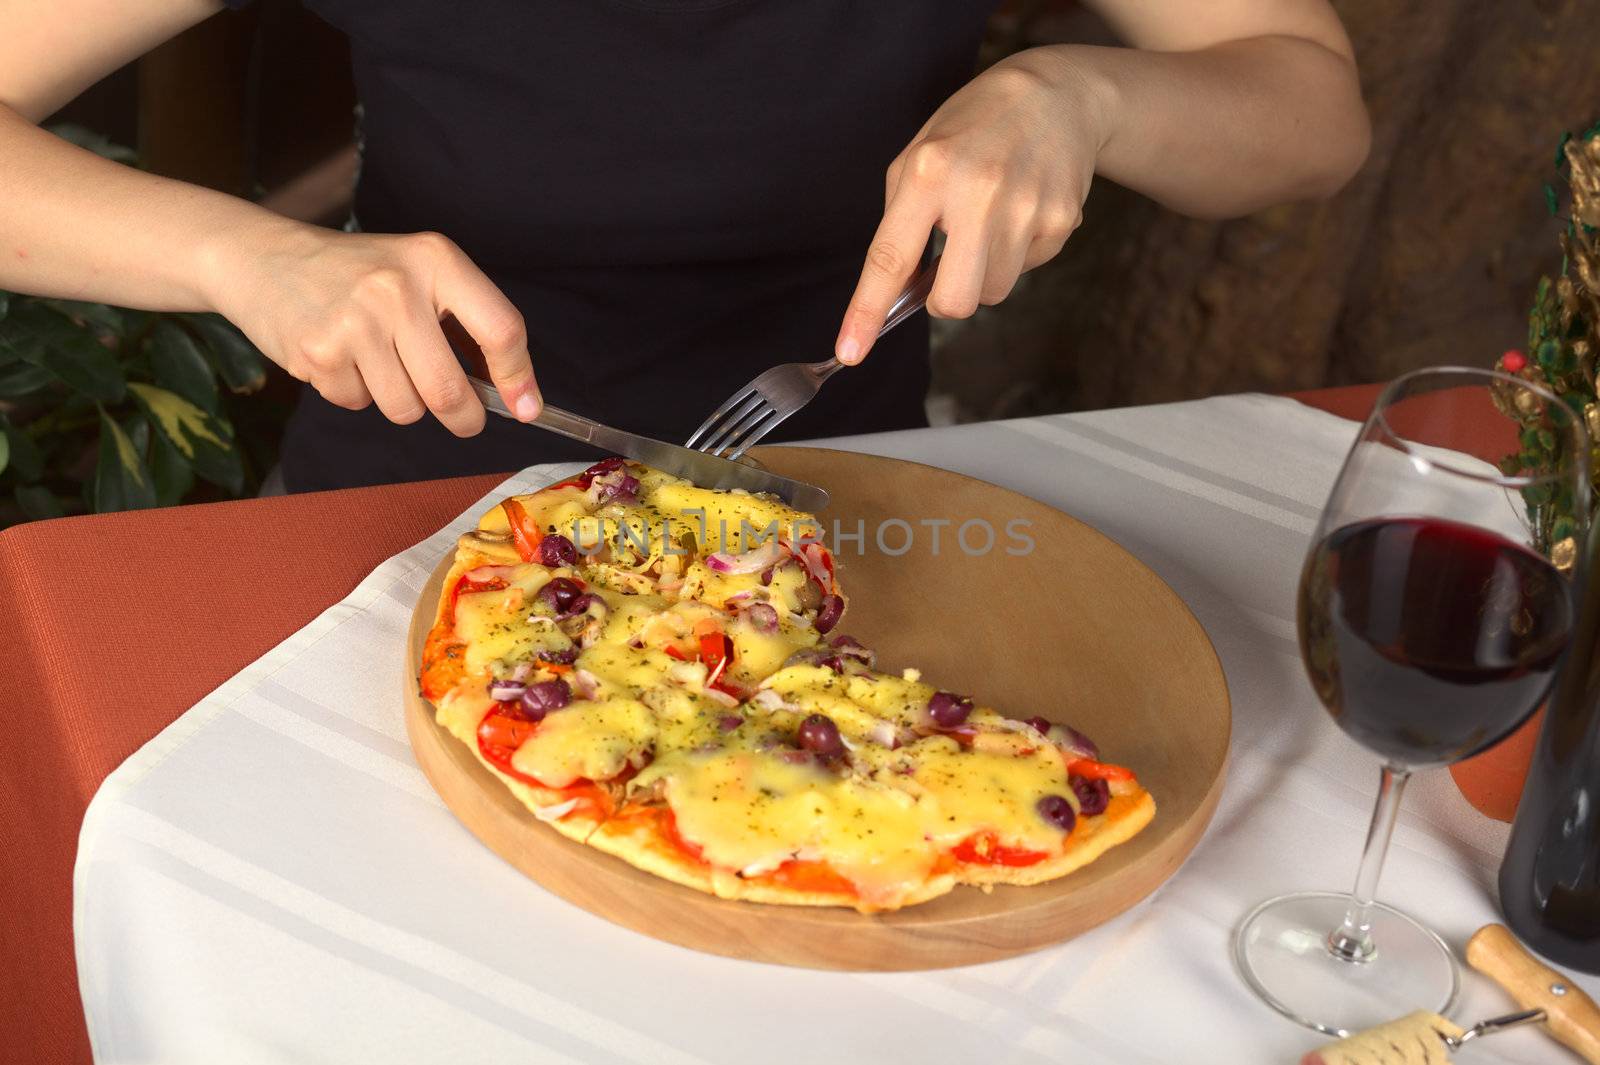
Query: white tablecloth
point(272, 880)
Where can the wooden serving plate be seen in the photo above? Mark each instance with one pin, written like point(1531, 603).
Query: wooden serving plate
point(1076, 630)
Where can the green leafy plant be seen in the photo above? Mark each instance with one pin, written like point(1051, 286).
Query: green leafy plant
point(1563, 351)
point(103, 408)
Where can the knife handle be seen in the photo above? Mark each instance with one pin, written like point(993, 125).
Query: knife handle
point(554, 419)
point(1570, 1015)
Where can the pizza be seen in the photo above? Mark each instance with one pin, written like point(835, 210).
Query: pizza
point(656, 670)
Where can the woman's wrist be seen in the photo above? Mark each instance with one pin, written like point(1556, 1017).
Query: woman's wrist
point(230, 259)
point(1075, 80)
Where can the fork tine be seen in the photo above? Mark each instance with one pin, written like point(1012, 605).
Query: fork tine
point(741, 399)
point(730, 425)
point(732, 433)
point(755, 436)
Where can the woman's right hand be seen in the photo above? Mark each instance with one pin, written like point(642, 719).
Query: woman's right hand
point(357, 315)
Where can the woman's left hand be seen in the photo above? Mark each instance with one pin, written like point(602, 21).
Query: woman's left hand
point(1002, 168)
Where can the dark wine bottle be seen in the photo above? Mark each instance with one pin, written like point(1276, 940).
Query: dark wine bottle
point(1550, 879)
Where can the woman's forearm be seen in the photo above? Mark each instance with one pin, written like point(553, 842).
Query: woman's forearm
point(76, 226)
point(1220, 131)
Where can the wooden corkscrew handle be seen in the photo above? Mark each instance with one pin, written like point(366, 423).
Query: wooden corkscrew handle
point(1570, 1014)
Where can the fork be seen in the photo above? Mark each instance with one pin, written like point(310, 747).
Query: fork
point(762, 405)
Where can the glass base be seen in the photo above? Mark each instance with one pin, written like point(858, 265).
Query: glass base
point(1282, 951)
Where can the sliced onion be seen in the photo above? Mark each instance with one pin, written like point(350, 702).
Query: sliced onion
point(854, 648)
point(565, 656)
point(586, 684)
point(717, 695)
point(883, 733)
point(767, 554)
point(556, 812)
point(768, 699)
point(505, 691)
point(813, 656)
point(613, 485)
point(1081, 744)
point(810, 556)
point(829, 612)
point(764, 866)
point(486, 573)
point(762, 616)
point(521, 671)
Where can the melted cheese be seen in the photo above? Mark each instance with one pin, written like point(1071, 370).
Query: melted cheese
point(733, 521)
point(495, 623)
point(587, 740)
point(752, 812)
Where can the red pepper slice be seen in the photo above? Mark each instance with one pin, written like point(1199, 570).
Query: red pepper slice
point(1092, 770)
point(716, 651)
point(504, 729)
point(467, 586)
point(819, 877)
point(669, 828)
point(982, 848)
point(525, 535)
point(500, 733)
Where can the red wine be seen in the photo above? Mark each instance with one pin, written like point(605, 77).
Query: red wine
point(1429, 640)
point(1550, 879)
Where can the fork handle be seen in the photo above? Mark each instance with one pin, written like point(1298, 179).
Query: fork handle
point(911, 300)
point(914, 297)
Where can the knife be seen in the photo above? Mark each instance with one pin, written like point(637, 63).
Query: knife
point(707, 471)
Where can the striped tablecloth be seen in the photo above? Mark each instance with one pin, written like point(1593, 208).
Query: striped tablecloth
point(272, 880)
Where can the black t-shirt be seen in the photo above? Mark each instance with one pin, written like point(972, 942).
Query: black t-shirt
point(675, 194)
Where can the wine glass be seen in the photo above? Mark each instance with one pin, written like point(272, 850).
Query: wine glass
point(1430, 629)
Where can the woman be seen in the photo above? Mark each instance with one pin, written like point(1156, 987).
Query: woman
point(658, 198)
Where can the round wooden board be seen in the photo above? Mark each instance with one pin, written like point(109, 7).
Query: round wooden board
point(1076, 630)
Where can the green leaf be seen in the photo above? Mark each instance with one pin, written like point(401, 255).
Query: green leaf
point(1549, 351)
point(26, 458)
point(177, 365)
point(5, 302)
point(205, 440)
point(40, 336)
point(122, 481)
point(5, 452)
point(242, 367)
point(105, 318)
point(24, 379)
point(173, 474)
point(38, 502)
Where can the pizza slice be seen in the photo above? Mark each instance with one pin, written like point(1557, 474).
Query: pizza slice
point(653, 669)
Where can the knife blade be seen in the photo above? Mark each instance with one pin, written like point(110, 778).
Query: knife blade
point(707, 471)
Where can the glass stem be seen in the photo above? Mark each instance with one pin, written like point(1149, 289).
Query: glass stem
point(1352, 940)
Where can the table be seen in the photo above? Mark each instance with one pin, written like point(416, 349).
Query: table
point(272, 879)
point(108, 680)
